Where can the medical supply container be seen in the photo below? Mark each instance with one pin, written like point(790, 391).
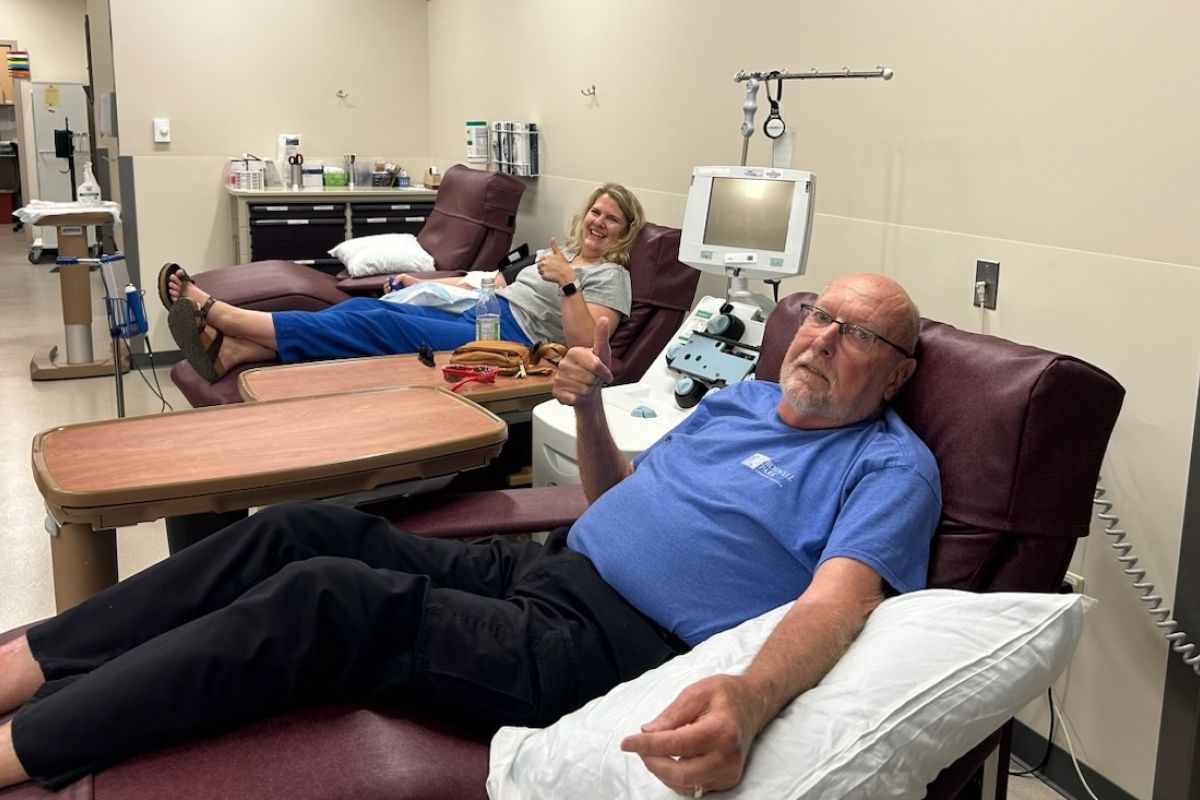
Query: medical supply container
point(477, 141)
point(88, 192)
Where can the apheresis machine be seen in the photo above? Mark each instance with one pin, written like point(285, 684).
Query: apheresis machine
point(740, 222)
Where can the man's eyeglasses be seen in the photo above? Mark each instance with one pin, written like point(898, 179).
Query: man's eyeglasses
point(854, 335)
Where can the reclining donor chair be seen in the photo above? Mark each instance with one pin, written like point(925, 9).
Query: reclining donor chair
point(470, 227)
point(662, 288)
point(1018, 432)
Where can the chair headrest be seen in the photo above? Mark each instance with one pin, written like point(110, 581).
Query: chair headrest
point(1018, 432)
point(656, 274)
point(489, 198)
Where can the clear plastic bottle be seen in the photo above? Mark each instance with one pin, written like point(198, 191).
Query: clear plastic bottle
point(487, 312)
point(88, 192)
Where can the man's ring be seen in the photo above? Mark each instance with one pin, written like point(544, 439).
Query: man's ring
point(698, 790)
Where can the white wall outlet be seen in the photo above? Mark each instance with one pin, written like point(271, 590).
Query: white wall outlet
point(1075, 581)
point(162, 129)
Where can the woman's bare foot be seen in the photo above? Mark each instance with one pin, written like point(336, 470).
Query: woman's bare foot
point(235, 350)
point(20, 674)
point(177, 288)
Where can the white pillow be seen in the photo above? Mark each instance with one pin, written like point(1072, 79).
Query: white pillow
point(382, 255)
point(931, 675)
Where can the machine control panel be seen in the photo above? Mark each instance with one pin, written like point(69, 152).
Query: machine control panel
point(712, 355)
point(716, 345)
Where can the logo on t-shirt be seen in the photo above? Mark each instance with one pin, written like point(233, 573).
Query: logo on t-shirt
point(764, 466)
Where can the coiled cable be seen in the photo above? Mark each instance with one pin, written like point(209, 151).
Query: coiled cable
point(1162, 614)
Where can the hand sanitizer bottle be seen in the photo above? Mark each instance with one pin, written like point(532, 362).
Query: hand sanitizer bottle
point(487, 312)
point(88, 193)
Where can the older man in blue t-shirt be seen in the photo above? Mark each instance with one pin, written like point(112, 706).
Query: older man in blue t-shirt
point(810, 488)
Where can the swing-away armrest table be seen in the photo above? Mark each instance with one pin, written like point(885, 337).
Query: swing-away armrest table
point(507, 395)
point(96, 476)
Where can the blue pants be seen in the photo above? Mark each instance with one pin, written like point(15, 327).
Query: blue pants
point(315, 603)
point(366, 326)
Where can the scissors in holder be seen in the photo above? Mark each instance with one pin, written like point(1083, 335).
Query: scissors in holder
point(296, 160)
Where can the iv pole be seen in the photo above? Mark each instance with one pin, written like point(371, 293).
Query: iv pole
point(738, 288)
point(751, 79)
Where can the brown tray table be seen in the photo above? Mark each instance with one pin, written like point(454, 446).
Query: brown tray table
point(506, 395)
point(96, 476)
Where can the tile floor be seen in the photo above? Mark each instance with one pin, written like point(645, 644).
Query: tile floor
point(30, 317)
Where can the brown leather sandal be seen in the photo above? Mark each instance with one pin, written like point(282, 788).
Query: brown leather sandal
point(202, 352)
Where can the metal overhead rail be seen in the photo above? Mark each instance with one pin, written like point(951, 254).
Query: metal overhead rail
point(879, 72)
point(752, 79)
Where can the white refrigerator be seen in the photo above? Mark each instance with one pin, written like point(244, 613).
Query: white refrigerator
point(57, 106)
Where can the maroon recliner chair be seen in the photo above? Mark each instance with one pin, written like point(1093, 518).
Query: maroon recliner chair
point(470, 227)
point(1019, 434)
point(662, 289)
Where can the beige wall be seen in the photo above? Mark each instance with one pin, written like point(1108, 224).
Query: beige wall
point(52, 32)
point(231, 76)
point(1055, 137)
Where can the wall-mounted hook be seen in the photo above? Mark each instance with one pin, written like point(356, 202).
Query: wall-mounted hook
point(341, 94)
point(589, 92)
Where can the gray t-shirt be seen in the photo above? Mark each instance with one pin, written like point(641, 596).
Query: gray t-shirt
point(535, 303)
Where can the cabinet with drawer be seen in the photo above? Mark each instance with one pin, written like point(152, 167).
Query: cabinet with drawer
point(304, 225)
point(370, 219)
point(303, 232)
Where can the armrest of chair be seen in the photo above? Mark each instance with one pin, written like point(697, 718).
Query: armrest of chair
point(372, 285)
point(505, 511)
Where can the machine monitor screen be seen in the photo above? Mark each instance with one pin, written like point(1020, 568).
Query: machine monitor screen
point(750, 221)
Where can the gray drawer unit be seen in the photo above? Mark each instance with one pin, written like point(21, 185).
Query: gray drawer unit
point(303, 232)
point(369, 219)
point(419, 208)
point(264, 211)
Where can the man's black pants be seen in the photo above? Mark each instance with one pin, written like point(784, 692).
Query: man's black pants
point(311, 603)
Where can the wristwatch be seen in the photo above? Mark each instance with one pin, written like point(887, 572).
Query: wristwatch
point(571, 288)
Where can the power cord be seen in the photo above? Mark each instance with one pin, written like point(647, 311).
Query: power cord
point(156, 388)
point(980, 293)
point(1177, 638)
point(1055, 711)
point(1071, 749)
point(1020, 773)
point(774, 289)
point(1162, 614)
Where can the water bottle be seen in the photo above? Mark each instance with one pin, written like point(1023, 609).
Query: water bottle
point(136, 320)
point(487, 312)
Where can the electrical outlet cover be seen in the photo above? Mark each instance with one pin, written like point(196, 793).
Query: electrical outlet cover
point(987, 272)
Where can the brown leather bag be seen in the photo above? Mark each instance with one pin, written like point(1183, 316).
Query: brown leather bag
point(509, 358)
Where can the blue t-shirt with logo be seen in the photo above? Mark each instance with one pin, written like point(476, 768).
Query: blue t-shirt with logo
point(731, 512)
